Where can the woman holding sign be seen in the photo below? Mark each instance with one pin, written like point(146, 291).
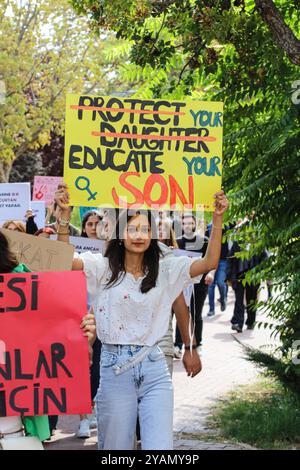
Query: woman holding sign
point(89, 229)
point(132, 292)
point(36, 426)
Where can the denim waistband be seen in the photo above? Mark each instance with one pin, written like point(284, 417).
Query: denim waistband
point(138, 354)
point(121, 348)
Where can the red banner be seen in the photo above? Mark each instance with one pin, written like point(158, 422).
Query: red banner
point(44, 363)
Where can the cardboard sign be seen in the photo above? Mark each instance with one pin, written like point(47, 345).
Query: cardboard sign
point(40, 254)
point(14, 201)
point(46, 367)
point(82, 244)
point(44, 188)
point(154, 154)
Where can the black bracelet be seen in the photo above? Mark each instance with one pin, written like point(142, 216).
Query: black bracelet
point(188, 346)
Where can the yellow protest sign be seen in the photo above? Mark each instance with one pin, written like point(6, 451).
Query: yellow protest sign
point(154, 154)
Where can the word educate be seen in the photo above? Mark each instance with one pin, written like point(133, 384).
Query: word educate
point(140, 161)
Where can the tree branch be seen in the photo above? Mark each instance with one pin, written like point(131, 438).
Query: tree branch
point(184, 68)
point(283, 35)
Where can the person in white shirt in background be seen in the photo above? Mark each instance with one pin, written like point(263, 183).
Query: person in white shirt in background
point(90, 224)
point(190, 358)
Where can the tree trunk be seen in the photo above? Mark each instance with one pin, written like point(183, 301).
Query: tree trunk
point(5, 168)
point(283, 35)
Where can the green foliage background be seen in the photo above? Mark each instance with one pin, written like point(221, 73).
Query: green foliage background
point(223, 50)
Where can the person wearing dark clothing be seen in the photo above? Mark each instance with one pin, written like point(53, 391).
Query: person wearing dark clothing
point(190, 241)
point(220, 277)
point(53, 419)
point(31, 227)
point(236, 271)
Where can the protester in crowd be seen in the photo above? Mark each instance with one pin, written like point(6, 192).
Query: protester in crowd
point(90, 222)
point(47, 232)
point(177, 218)
point(14, 426)
point(106, 228)
point(167, 242)
point(236, 272)
point(31, 226)
point(163, 216)
point(15, 225)
point(195, 242)
point(191, 360)
point(132, 291)
point(166, 233)
point(59, 221)
point(44, 232)
point(89, 229)
point(220, 276)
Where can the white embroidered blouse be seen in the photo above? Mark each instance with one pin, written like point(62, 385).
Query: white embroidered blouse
point(123, 314)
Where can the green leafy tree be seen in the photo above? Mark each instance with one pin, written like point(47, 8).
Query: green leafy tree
point(247, 54)
point(26, 167)
point(46, 51)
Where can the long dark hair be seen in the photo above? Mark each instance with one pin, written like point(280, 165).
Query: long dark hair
point(115, 252)
point(85, 219)
point(7, 259)
point(171, 240)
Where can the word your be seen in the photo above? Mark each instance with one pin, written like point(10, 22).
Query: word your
point(202, 165)
point(207, 118)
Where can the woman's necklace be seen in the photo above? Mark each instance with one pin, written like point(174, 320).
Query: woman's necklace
point(136, 272)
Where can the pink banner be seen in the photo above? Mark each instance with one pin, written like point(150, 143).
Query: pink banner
point(45, 187)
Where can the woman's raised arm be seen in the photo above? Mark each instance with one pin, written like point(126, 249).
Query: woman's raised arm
point(61, 198)
point(212, 256)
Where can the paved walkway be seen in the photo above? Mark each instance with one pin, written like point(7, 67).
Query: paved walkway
point(224, 367)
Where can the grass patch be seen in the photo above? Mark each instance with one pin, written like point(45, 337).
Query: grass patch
point(264, 415)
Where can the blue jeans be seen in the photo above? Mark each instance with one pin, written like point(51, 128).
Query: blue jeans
point(219, 281)
point(130, 387)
